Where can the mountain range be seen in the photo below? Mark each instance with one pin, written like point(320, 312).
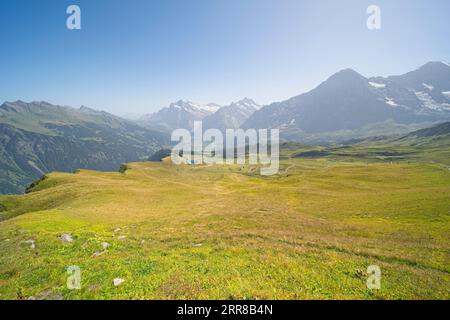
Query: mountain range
point(38, 137)
point(349, 101)
point(347, 105)
point(183, 113)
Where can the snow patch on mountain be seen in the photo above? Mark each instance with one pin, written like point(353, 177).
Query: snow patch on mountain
point(391, 102)
point(194, 108)
point(377, 85)
point(429, 103)
point(429, 87)
point(210, 107)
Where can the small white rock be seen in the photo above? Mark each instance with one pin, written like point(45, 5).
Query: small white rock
point(105, 245)
point(121, 237)
point(65, 237)
point(118, 282)
point(117, 229)
point(31, 242)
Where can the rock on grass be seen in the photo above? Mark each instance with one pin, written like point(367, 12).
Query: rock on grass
point(118, 282)
point(65, 237)
point(31, 242)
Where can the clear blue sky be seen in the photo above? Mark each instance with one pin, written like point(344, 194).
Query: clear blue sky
point(140, 55)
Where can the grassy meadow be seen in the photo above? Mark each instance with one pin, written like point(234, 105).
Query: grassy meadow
point(225, 232)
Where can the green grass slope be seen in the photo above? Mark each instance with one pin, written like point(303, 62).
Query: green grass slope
point(225, 232)
point(425, 145)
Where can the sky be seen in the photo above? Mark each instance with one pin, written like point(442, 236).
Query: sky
point(138, 56)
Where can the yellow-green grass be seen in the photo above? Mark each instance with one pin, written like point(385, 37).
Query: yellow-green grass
point(225, 232)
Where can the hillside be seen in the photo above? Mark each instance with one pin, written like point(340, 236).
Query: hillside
point(430, 144)
point(37, 137)
point(435, 131)
point(221, 232)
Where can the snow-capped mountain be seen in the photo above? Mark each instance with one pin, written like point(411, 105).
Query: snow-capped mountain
point(232, 116)
point(180, 114)
point(430, 83)
point(210, 107)
point(348, 101)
